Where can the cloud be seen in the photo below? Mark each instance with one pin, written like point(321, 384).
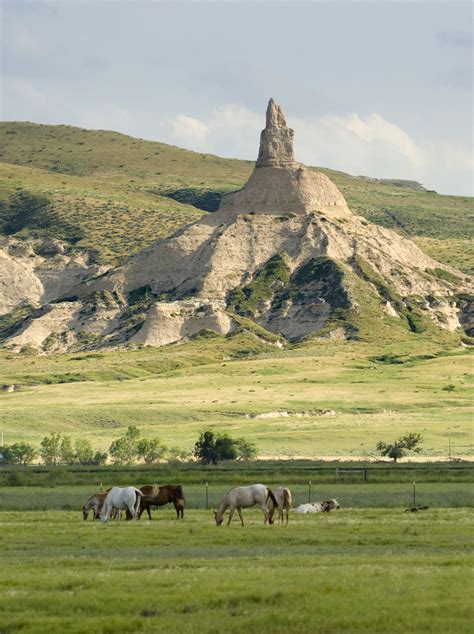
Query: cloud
point(189, 130)
point(370, 145)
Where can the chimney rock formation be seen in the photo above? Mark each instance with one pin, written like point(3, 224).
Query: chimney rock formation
point(284, 253)
point(276, 140)
point(278, 183)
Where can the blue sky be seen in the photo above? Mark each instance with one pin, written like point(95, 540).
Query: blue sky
point(375, 88)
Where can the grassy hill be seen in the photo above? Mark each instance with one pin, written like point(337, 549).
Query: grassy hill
point(340, 397)
point(115, 194)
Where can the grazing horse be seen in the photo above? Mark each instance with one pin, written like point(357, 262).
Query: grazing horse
point(244, 497)
point(154, 495)
point(94, 503)
point(118, 498)
point(283, 497)
point(317, 507)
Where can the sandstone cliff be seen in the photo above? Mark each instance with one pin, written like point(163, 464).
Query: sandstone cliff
point(284, 252)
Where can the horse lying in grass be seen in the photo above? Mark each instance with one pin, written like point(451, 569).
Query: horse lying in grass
point(283, 498)
point(245, 497)
point(121, 499)
point(317, 507)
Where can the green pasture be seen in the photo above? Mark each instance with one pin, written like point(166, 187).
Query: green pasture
point(339, 399)
point(359, 571)
point(398, 495)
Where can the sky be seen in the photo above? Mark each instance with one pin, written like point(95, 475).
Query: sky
point(382, 89)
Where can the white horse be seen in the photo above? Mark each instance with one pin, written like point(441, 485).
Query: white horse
point(120, 499)
point(317, 507)
point(283, 497)
point(244, 497)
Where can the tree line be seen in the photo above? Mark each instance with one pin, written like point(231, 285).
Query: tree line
point(128, 449)
point(210, 448)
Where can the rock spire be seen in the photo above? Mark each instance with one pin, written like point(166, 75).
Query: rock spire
point(276, 140)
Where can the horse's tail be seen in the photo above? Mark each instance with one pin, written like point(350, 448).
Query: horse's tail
point(155, 491)
point(286, 498)
point(138, 500)
point(271, 496)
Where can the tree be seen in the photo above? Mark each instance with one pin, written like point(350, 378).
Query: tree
point(83, 451)
point(66, 450)
point(50, 451)
point(150, 449)
point(124, 449)
point(399, 448)
point(246, 450)
point(212, 448)
point(101, 457)
point(205, 449)
point(19, 453)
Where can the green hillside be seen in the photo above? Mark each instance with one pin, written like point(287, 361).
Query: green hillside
point(115, 194)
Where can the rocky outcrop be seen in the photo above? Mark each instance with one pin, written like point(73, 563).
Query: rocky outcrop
point(276, 140)
point(284, 253)
point(37, 272)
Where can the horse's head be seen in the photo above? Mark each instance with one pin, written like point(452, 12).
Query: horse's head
point(219, 518)
point(85, 513)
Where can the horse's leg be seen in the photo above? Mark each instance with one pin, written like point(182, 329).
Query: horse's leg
point(239, 511)
point(176, 508)
point(231, 512)
point(265, 512)
point(147, 506)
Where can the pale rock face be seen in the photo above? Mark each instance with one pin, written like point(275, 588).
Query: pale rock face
point(284, 208)
point(168, 322)
point(276, 140)
point(35, 277)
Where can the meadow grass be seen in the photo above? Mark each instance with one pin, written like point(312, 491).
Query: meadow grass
point(341, 398)
point(356, 571)
point(381, 495)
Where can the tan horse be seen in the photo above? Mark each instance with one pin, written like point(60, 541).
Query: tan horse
point(245, 497)
point(94, 504)
point(283, 497)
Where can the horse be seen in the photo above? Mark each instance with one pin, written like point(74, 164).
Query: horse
point(94, 503)
point(118, 498)
point(283, 497)
point(317, 507)
point(244, 497)
point(154, 495)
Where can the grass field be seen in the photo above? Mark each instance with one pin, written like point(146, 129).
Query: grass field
point(359, 571)
point(379, 495)
point(341, 398)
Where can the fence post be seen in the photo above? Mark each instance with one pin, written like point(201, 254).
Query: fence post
point(309, 491)
point(337, 474)
point(207, 496)
point(414, 493)
point(365, 475)
point(101, 487)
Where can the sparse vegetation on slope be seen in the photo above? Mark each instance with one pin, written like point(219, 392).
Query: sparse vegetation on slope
point(111, 190)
